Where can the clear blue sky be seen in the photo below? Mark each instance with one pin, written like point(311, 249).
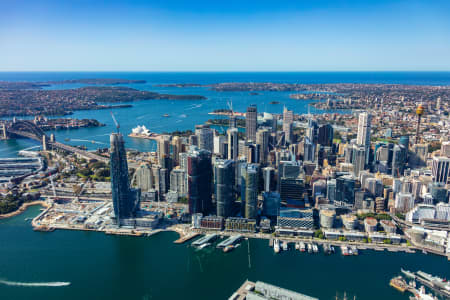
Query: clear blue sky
point(276, 35)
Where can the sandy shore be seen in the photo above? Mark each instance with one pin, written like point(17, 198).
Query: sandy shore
point(22, 208)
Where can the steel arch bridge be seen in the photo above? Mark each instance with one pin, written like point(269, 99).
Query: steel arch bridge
point(25, 128)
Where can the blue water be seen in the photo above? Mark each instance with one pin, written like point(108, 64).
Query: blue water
point(186, 114)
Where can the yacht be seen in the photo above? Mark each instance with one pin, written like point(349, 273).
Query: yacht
point(276, 246)
point(285, 246)
point(302, 247)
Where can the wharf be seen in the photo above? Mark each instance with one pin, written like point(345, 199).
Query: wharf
point(230, 241)
point(186, 238)
point(206, 239)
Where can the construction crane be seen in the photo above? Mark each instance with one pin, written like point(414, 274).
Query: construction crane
point(115, 122)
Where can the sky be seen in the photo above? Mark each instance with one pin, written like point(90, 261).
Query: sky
point(219, 35)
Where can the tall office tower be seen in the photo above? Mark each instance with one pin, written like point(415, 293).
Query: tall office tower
point(199, 175)
point(419, 154)
point(224, 186)
point(163, 181)
point(374, 186)
point(445, 149)
point(404, 141)
point(289, 169)
point(144, 177)
point(233, 143)
point(262, 139)
point(251, 191)
point(398, 161)
point(404, 202)
point(363, 137)
point(125, 199)
point(319, 188)
point(270, 184)
point(331, 190)
point(308, 150)
point(182, 158)
point(163, 148)
point(251, 119)
point(291, 191)
point(156, 177)
point(177, 148)
point(441, 169)
point(438, 103)
point(219, 145)
point(311, 131)
point(325, 135)
point(193, 140)
point(359, 159)
point(345, 191)
point(253, 153)
point(178, 182)
point(348, 154)
point(438, 192)
point(288, 120)
point(205, 136)
point(271, 204)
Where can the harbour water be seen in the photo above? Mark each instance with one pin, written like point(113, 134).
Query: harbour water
point(100, 266)
point(186, 114)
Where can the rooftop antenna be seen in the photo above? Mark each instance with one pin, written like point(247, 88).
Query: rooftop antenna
point(115, 122)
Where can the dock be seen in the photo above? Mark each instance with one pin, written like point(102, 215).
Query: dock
point(206, 239)
point(230, 241)
point(186, 238)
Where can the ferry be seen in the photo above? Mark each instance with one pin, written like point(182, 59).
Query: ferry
point(285, 246)
point(302, 247)
point(276, 246)
point(228, 248)
point(344, 250)
point(203, 246)
point(315, 248)
point(422, 295)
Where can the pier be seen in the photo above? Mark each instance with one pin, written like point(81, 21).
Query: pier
point(230, 241)
point(206, 239)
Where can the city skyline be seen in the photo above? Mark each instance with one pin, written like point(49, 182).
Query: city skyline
point(252, 36)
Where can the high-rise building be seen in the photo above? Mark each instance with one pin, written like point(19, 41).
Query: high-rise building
point(363, 137)
point(269, 179)
point(359, 159)
point(144, 177)
point(445, 149)
point(398, 160)
point(271, 204)
point(441, 169)
point(177, 148)
point(233, 143)
point(178, 181)
point(125, 199)
point(199, 175)
point(308, 150)
point(311, 131)
point(262, 139)
point(331, 190)
point(220, 145)
point(291, 191)
point(205, 136)
point(224, 186)
point(345, 190)
point(288, 120)
point(163, 147)
point(251, 122)
point(325, 135)
point(251, 191)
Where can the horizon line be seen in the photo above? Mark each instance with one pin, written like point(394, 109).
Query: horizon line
point(223, 71)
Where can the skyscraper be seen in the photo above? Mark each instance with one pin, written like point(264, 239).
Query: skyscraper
point(199, 173)
point(233, 143)
point(359, 159)
point(363, 137)
point(224, 186)
point(441, 169)
point(251, 191)
point(398, 160)
point(205, 136)
point(251, 122)
point(144, 177)
point(308, 150)
point(125, 199)
point(262, 139)
point(288, 119)
point(325, 135)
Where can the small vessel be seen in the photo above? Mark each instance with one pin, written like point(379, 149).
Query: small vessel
point(274, 102)
point(228, 248)
point(344, 250)
point(332, 249)
point(166, 115)
point(276, 246)
point(315, 248)
point(399, 284)
point(310, 248)
point(285, 246)
point(350, 251)
point(355, 250)
point(297, 246)
point(326, 249)
point(422, 295)
point(67, 139)
point(203, 246)
point(302, 247)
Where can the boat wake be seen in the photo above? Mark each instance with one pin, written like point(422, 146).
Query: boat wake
point(35, 284)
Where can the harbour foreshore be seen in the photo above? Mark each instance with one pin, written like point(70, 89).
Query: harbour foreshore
point(23, 208)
